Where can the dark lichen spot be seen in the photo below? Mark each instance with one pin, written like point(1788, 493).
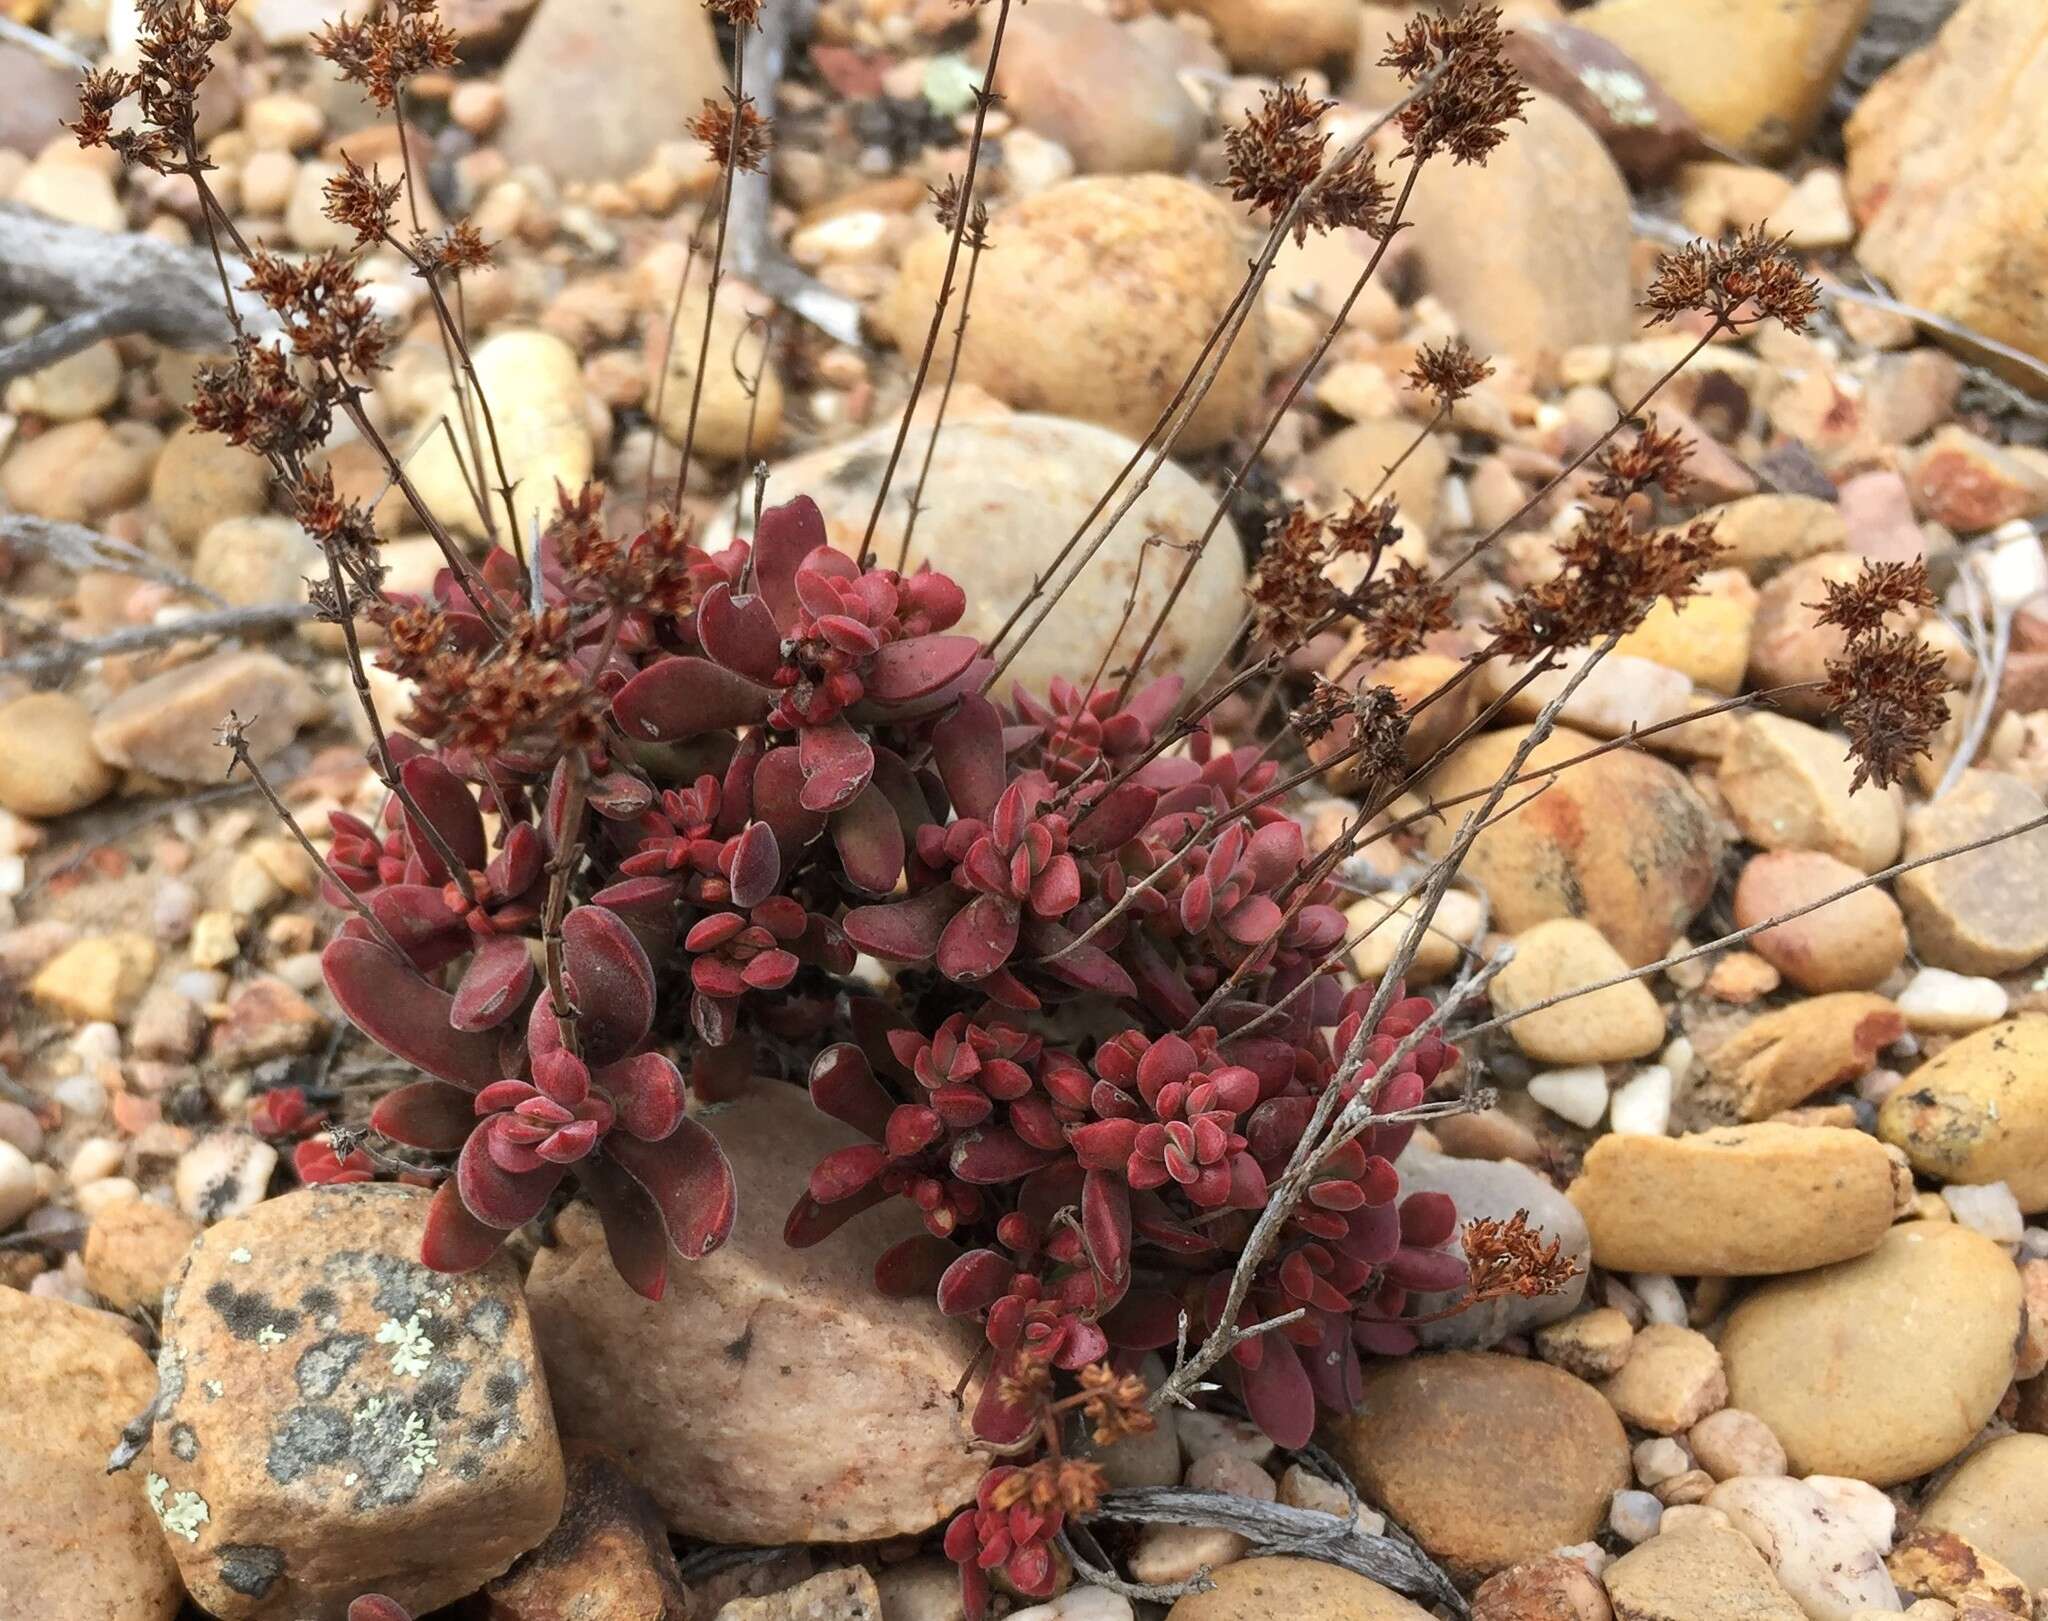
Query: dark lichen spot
point(440, 1387)
point(502, 1389)
point(403, 1287)
point(184, 1443)
point(322, 1367)
point(738, 1350)
point(308, 1437)
point(320, 1301)
point(248, 1313)
point(469, 1467)
point(250, 1568)
point(488, 1319)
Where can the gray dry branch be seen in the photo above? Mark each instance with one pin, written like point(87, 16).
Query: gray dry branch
point(108, 284)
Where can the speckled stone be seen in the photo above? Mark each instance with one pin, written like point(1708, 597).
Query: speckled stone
point(335, 1418)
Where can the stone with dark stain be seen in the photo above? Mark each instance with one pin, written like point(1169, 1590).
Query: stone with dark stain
point(608, 1557)
point(337, 1417)
point(1621, 840)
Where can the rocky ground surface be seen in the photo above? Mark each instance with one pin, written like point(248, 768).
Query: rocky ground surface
point(1805, 1373)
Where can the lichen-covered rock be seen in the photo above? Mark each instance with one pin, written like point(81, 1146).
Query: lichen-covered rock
point(608, 1558)
point(1735, 1201)
point(1783, 1057)
point(1442, 1443)
point(76, 1543)
point(1621, 840)
point(839, 1400)
point(1003, 497)
point(335, 1418)
point(1977, 1111)
point(1986, 911)
point(845, 1594)
point(1104, 291)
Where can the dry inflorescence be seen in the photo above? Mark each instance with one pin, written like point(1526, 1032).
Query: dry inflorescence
point(655, 800)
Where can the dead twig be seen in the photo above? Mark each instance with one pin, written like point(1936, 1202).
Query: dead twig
point(79, 548)
point(59, 657)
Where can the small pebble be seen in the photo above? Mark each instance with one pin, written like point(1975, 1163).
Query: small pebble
point(1642, 1103)
point(1203, 1433)
point(1662, 1303)
point(19, 1193)
point(173, 909)
point(1659, 1458)
point(201, 985)
point(1988, 1208)
point(20, 1127)
point(83, 1095)
point(1577, 1094)
point(104, 1194)
point(1938, 1001)
point(1733, 1442)
point(1634, 1516)
point(1080, 1603)
point(94, 1158)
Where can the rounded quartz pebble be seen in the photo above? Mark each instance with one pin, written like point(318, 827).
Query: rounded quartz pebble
point(1733, 1442)
point(1634, 1516)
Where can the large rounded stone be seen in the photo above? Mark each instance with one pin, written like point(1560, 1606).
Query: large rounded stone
point(78, 472)
point(773, 1395)
point(1999, 1500)
point(1299, 1589)
point(337, 1418)
point(1278, 36)
point(48, 766)
point(1883, 1367)
point(1704, 1573)
point(1621, 840)
point(1734, 1201)
point(1004, 496)
point(201, 479)
point(535, 388)
point(1781, 1058)
point(1088, 82)
point(1754, 74)
point(1851, 944)
point(1444, 1443)
point(76, 1543)
point(1787, 786)
point(1094, 301)
point(1550, 271)
point(1978, 1111)
point(1562, 958)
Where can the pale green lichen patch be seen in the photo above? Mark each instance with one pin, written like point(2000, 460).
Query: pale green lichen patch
point(182, 1513)
point(411, 1350)
point(1624, 96)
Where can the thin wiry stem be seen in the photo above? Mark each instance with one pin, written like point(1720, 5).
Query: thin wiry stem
point(931, 445)
point(732, 159)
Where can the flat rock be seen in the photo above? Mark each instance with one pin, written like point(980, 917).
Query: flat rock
point(48, 766)
point(1784, 1056)
point(1851, 944)
point(1673, 1378)
point(1920, 1331)
point(1998, 1499)
point(132, 1249)
point(1709, 1572)
point(1604, 1026)
point(838, 1400)
point(1003, 497)
point(1497, 1189)
point(1442, 1443)
point(1735, 1201)
point(1761, 534)
point(595, 86)
point(1985, 912)
point(76, 1543)
point(1787, 785)
point(1977, 1111)
point(1621, 840)
point(1299, 1589)
point(169, 725)
point(201, 480)
point(608, 1557)
point(98, 979)
point(336, 1418)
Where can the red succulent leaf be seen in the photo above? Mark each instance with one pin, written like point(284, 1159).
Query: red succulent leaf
point(498, 1197)
point(756, 865)
point(1115, 819)
point(847, 1171)
point(844, 1087)
point(683, 696)
point(911, 1268)
point(904, 931)
point(449, 803)
point(1427, 1271)
point(609, 981)
point(648, 1092)
point(974, 1282)
point(455, 1241)
point(967, 747)
point(632, 1226)
point(410, 1018)
point(1144, 1320)
point(784, 536)
point(810, 1222)
point(869, 840)
point(997, 1155)
point(838, 763)
point(778, 799)
point(911, 669)
point(493, 985)
point(691, 1183)
point(1428, 1219)
point(1106, 1219)
point(741, 634)
point(979, 938)
point(1277, 1392)
point(426, 1114)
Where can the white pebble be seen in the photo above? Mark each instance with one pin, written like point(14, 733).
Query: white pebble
point(1642, 1103)
point(201, 985)
point(2034, 1243)
point(104, 1194)
point(82, 1094)
point(1660, 1459)
point(1590, 1554)
point(1862, 1505)
point(13, 875)
point(1662, 1303)
point(301, 971)
point(1230, 1473)
point(96, 1157)
point(1203, 1433)
point(1988, 1208)
point(1878, 1084)
point(1633, 1516)
point(171, 912)
point(1577, 1094)
point(1951, 1004)
point(1677, 1057)
point(97, 1043)
point(18, 1192)
point(1080, 1603)
point(2012, 566)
